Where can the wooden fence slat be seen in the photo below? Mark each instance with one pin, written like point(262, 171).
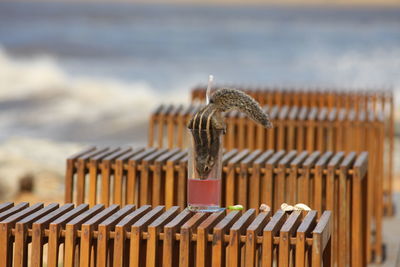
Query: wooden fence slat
point(287, 231)
point(54, 235)
point(291, 186)
point(21, 234)
point(332, 200)
point(256, 188)
point(93, 173)
point(280, 179)
point(318, 181)
point(230, 192)
point(159, 177)
point(344, 211)
point(170, 248)
point(153, 257)
point(269, 232)
point(137, 250)
point(12, 210)
point(237, 229)
point(170, 183)
point(121, 174)
point(6, 225)
point(5, 206)
point(87, 229)
point(104, 249)
point(267, 181)
point(252, 232)
point(71, 233)
point(69, 175)
point(121, 251)
point(243, 183)
point(118, 174)
point(146, 179)
point(322, 239)
point(81, 173)
point(218, 246)
point(203, 249)
point(38, 233)
point(302, 256)
point(186, 249)
point(132, 181)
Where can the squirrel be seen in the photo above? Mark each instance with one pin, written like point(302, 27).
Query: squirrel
point(208, 124)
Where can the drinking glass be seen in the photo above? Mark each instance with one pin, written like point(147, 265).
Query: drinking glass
point(204, 193)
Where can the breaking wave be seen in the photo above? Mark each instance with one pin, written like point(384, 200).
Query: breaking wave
point(38, 98)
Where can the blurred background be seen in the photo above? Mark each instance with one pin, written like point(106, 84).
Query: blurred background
point(79, 73)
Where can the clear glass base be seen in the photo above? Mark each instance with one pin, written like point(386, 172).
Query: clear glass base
point(205, 208)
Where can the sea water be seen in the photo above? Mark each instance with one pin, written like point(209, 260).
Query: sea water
point(93, 72)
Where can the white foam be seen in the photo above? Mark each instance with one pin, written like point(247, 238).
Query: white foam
point(53, 96)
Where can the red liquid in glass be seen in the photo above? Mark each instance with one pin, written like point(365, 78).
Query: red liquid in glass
point(204, 192)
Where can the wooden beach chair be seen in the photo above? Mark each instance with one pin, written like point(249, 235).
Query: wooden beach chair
point(379, 102)
point(146, 236)
point(334, 181)
point(295, 128)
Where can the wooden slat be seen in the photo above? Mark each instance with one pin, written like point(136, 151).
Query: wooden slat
point(318, 181)
point(87, 229)
point(304, 231)
point(158, 177)
point(322, 239)
point(93, 174)
point(256, 187)
point(237, 229)
point(12, 210)
point(146, 178)
point(291, 183)
point(38, 233)
point(203, 248)
point(244, 183)
point(280, 179)
point(120, 239)
point(186, 249)
point(170, 181)
point(81, 173)
point(137, 249)
point(153, 257)
point(55, 233)
point(104, 250)
point(69, 175)
point(344, 210)
point(118, 174)
point(252, 232)
point(132, 181)
point(182, 181)
point(218, 243)
point(332, 200)
point(267, 181)
point(269, 232)
point(6, 225)
point(170, 248)
point(287, 231)
point(71, 233)
point(5, 206)
point(231, 190)
point(21, 234)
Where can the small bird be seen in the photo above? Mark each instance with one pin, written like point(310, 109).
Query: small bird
point(208, 124)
